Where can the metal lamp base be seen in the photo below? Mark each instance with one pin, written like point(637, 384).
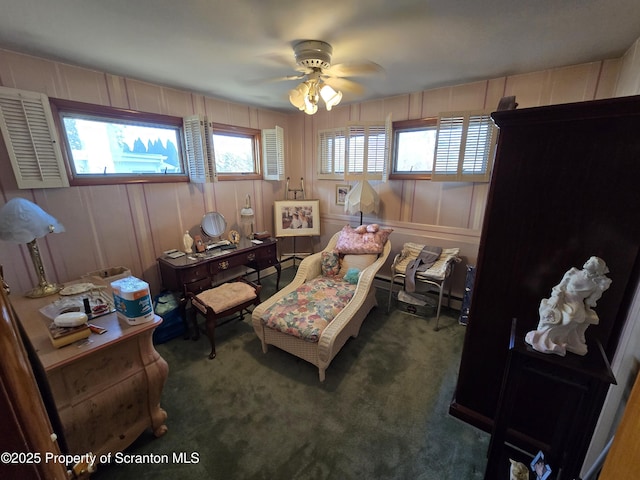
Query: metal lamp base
point(43, 290)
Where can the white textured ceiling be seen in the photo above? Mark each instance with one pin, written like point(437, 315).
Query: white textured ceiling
point(230, 49)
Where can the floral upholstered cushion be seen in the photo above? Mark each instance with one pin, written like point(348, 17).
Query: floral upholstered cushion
point(305, 312)
point(330, 263)
point(370, 239)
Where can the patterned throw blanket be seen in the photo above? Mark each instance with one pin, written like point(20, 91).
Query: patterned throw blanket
point(305, 312)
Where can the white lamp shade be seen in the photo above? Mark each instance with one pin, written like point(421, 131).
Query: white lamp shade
point(330, 96)
point(297, 95)
point(22, 221)
point(310, 107)
point(247, 213)
point(362, 199)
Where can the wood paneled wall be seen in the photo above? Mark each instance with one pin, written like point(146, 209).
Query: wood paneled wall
point(131, 225)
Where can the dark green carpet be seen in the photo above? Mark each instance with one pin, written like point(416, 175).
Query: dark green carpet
point(382, 412)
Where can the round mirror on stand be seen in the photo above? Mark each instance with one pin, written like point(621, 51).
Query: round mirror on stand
point(213, 224)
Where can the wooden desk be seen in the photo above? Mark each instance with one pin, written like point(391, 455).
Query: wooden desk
point(107, 390)
point(176, 272)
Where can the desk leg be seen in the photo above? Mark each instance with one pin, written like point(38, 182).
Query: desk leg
point(278, 269)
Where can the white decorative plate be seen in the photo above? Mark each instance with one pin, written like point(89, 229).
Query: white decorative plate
point(77, 288)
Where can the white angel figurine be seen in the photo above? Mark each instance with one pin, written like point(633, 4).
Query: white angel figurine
point(566, 315)
point(187, 241)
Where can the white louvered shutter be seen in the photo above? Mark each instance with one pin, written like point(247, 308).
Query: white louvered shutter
point(273, 153)
point(331, 153)
point(198, 151)
point(368, 150)
point(465, 147)
point(30, 135)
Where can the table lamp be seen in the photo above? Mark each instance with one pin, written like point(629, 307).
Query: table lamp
point(362, 198)
point(22, 221)
point(246, 216)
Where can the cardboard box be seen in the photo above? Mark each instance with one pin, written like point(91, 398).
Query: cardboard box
point(109, 274)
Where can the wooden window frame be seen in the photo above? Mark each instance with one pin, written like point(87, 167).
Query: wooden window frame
point(255, 135)
point(60, 106)
point(404, 126)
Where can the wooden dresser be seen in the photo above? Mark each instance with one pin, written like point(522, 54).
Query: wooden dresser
point(107, 389)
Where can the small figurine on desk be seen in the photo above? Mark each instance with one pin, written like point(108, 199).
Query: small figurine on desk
point(565, 316)
point(188, 242)
point(518, 471)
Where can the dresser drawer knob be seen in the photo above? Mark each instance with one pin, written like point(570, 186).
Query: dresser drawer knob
point(223, 265)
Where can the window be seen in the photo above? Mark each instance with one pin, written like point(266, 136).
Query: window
point(465, 147)
point(331, 153)
point(235, 152)
point(361, 150)
point(414, 148)
point(109, 145)
point(220, 152)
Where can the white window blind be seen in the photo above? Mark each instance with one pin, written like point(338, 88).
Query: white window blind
point(368, 150)
point(29, 133)
point(273, 153)
point(331, 153)
point(198, 149)
point(465, 147)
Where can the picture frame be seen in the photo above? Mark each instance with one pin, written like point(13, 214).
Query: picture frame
point(341, 193)
point(296, 218)
point(540, 467)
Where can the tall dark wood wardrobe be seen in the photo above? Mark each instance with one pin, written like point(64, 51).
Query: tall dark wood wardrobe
point(565, 186)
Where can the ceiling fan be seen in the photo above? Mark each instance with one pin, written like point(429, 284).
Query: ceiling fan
point(321, 79)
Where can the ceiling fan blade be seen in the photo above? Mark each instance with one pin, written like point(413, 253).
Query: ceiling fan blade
point(344, 85)
point(286, 61)
point(353, 69)
point(259, 81)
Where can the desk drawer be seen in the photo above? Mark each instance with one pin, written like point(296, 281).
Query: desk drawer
point(194, 274)
point(266, 256)
point(241, 259)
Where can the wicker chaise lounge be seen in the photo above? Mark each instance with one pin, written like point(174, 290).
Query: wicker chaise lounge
point(299, 299)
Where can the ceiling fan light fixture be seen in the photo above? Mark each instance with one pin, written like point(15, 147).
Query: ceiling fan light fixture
point(310, 104)
point(330, 96)
point(298, 95)
point(313, 59)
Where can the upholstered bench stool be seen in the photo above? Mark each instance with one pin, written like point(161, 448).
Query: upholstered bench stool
point(221, 302)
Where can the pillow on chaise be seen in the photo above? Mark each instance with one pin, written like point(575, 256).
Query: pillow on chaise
point(330, 263)
point(371, 241)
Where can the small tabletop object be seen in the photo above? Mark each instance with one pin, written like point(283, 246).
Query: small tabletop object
point(234, 237)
